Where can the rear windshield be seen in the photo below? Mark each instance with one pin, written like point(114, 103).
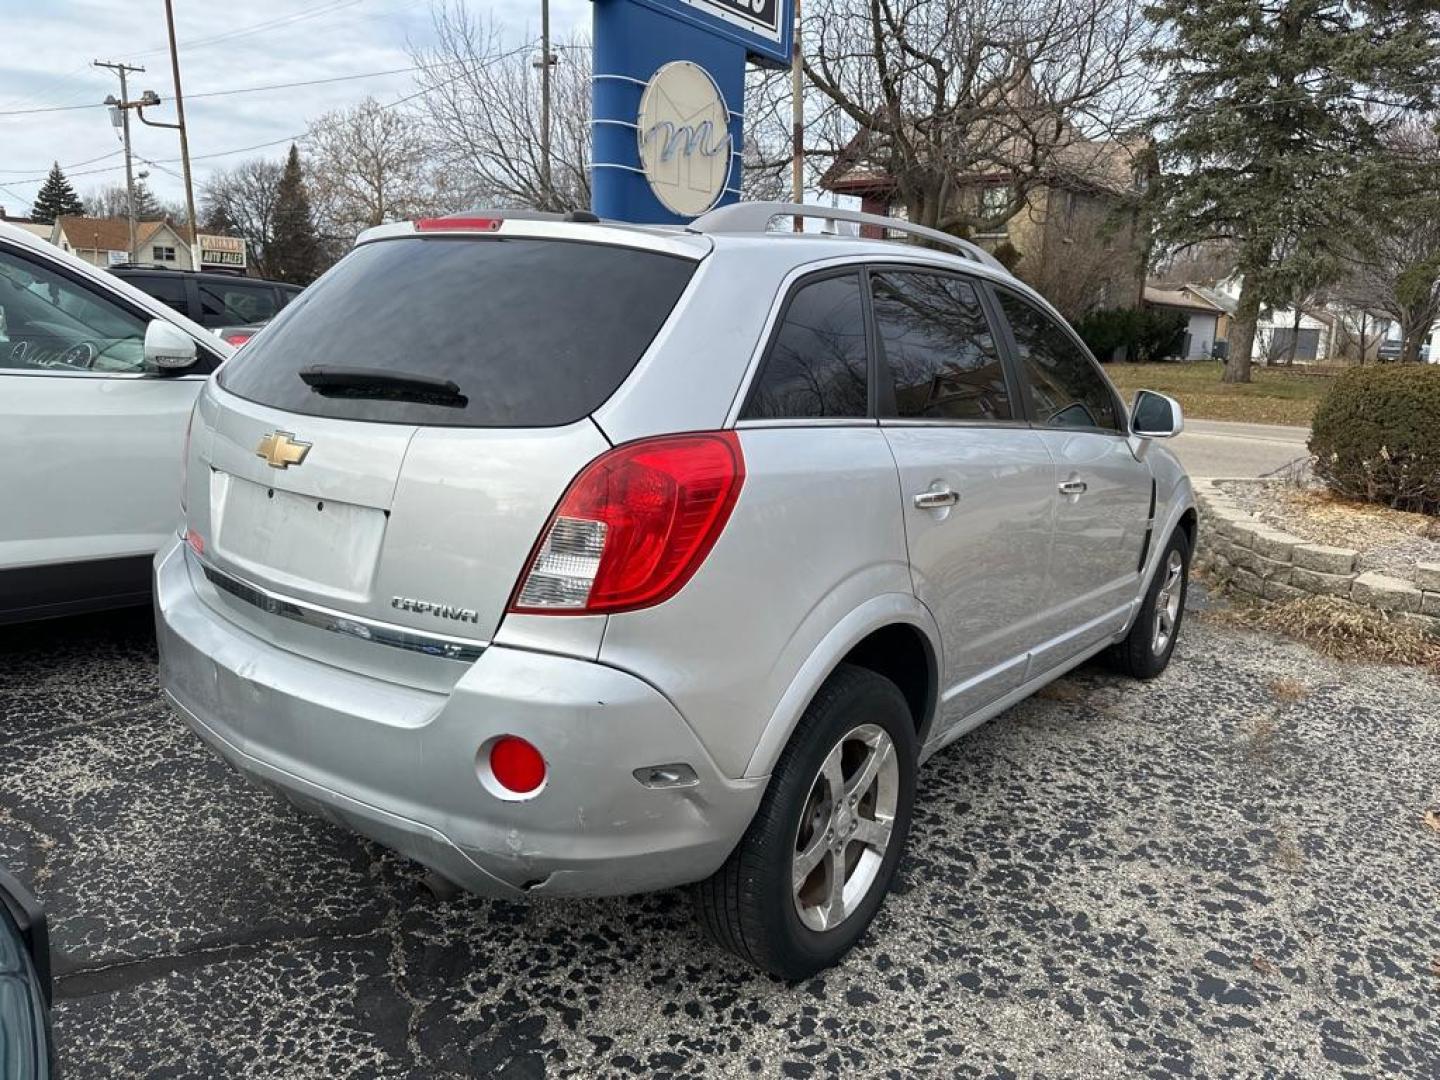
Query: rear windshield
point(532, 333)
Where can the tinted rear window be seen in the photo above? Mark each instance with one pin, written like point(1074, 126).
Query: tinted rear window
point(168, 290)
point(535, 333)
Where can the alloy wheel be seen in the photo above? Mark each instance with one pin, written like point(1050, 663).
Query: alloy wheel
point(1167, 603)
point(845, 827)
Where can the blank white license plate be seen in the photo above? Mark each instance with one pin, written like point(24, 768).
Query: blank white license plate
point(318, 545)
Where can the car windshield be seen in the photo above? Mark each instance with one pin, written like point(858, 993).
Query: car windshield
point(537, 333)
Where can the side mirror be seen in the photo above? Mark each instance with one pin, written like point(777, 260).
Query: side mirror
point(167, 347)
point(1155, 416)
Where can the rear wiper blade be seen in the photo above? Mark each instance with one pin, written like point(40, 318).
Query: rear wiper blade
point(379, 383)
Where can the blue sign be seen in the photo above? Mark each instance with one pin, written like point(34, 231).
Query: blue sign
point(669, 101)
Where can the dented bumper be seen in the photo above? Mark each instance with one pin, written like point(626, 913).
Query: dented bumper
point(401, 764)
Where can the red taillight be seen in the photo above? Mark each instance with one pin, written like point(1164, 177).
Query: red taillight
point(459, 224)
point(236, 339)
point(516, 765)
point(634, 526)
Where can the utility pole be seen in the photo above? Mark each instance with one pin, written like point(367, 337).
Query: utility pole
point(149, 99)
point(124, 105)
point(797, 122)
point(184, 140)
point(546, 60)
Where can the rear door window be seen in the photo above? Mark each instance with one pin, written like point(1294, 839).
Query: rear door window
point(533, 333)
point(223, 303)
point(1066, 388)
point(938, 347)
point(817, 364)
point(167, 288)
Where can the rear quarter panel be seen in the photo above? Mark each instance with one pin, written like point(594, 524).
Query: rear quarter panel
point(688, 378)
point(816, 535)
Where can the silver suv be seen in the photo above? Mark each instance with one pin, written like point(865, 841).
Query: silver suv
point(570, 557)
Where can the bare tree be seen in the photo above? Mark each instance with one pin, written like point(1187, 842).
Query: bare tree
point(767, 149)
point(111, 201)
point(1399, 271)
point(479, 94)
point(1019, 93)
point(1358, 331)
point(1095, 262)
point(1199, 264)
point(366, 165)
point(242, 202)
point(481, 101)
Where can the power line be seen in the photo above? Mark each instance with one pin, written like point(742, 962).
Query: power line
point(467, 65)
point(327, 8)
point(73, 164)
point(199, 43)
point(235, 90)
point(15, 194)
point(282, 86)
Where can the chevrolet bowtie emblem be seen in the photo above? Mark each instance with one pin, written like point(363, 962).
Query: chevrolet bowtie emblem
point(280, 450)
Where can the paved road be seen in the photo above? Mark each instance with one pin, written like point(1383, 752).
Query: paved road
point(1199, 877)
point(1221, 448)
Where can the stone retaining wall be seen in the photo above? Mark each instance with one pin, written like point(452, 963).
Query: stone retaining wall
point(1268, 563)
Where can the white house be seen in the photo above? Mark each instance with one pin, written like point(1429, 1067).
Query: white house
point(1281, 337)
point(106, 242)
point(1206, 320)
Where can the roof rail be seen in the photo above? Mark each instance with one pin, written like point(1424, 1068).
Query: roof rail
point(754, 217)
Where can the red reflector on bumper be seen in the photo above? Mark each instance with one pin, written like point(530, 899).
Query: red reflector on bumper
point(516, 765)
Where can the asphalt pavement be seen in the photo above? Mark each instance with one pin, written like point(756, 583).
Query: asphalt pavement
point(1223, 873)
point(1222, 448)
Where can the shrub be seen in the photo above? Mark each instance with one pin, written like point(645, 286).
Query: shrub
point(1107, 330)
point(1160, 334)
point(1145, 334)
point(1376, 436)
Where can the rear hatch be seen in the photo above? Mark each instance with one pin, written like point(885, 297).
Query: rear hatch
point(374, 470)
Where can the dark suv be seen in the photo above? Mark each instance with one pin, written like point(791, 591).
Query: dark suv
point(212, 299)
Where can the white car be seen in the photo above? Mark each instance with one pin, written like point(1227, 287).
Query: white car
point(97, 381)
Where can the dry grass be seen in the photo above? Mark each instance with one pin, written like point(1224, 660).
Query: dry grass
point(1316, 514)
point(1274, 396)
point(1340, 628)
point(1288, 690)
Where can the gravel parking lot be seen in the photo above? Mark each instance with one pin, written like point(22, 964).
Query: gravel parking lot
point(1222, 873)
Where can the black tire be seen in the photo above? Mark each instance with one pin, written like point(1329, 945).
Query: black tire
point(748, 906)
point(1137, 656)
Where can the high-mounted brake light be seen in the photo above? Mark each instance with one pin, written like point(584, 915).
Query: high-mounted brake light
point(459, 224)
point(634, 526)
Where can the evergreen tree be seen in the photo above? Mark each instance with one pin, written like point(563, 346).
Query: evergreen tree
point(147, 207)
point(294, 250)
point(56, 198)
point(1273, 130)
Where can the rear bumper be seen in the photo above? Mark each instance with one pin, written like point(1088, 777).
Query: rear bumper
point(399, 764)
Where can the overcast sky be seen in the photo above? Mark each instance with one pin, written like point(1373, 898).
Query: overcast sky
point(224, 45)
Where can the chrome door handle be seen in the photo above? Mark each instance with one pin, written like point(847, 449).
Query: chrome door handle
point(1072, 487)
point(936, 500)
